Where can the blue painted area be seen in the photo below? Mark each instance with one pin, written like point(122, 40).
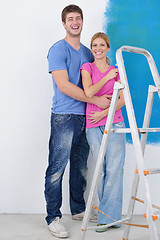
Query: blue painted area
point(136, 23)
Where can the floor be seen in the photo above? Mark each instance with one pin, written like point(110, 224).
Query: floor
point(33, 227)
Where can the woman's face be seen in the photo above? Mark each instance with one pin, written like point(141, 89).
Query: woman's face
point(99, 48)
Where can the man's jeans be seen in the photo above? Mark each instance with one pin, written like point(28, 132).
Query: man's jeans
point(110, 186)
point(67, 142)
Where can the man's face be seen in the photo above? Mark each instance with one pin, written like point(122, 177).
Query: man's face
point(73, 24)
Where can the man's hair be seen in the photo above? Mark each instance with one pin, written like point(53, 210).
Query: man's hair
point(69, 9)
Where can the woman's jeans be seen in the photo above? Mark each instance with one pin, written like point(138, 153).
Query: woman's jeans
point(110, 186)
point(67, 142)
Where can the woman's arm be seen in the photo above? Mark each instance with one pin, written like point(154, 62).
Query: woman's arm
point(70, 89)
point(90, 89)
point(97, 116)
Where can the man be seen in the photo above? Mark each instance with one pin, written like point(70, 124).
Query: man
point(67, 139)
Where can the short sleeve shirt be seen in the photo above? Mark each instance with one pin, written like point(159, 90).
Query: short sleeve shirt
point(96, 76)
point(62, 56)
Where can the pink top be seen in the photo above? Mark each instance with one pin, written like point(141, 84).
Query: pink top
point(96, 75)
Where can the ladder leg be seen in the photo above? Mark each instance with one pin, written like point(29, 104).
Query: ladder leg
point(146, 191)
point(151, 223)
point(147, 115)
point(93, 187)
point(100, 159)
point(131, 206)
point(143, 144)
point(139, 146)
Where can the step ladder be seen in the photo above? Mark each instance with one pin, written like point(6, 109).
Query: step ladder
point(139, 147)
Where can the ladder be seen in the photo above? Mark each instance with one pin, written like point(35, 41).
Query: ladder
point(139, 146)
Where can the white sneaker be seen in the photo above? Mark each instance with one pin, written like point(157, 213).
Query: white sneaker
point(79, 216)
point(57, 229)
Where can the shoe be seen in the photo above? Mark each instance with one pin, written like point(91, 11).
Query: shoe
point(116, 226)
point(79, 216)
point(57, 229)
point(100, 230)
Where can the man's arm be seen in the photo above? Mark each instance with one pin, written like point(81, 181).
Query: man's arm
point(70, 89)
point(96, 116)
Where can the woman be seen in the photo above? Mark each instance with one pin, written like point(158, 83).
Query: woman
point(98, 78)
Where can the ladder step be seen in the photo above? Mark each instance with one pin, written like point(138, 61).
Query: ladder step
point(108, 225)
point(153, 171)
point(150, 171)
point(128, 130)
point(142, 201)
point(154, 217)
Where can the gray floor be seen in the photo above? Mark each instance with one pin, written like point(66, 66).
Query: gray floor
point(33, 227)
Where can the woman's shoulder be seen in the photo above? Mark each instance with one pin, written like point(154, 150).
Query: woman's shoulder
point(87, 65)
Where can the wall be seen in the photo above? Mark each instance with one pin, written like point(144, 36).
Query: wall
point(28, 29)
point(129, 22)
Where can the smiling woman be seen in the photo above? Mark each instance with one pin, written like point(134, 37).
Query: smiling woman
point(100, 49)
point(98, 79)
point(100, 45)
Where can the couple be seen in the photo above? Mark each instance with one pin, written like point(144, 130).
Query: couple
point(74, 68)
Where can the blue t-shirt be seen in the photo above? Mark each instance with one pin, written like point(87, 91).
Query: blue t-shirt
point(62, 56)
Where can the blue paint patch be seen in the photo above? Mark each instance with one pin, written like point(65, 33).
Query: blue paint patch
point(136, 23)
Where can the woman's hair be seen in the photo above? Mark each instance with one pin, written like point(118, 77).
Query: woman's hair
point(69, 9)
point(105, 38)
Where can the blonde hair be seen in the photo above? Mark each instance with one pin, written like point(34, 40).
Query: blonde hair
point(105, 38)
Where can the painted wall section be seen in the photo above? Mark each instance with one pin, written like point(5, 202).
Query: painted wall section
point(136, 23)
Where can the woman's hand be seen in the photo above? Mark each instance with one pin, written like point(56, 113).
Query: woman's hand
point(95, 116)
point(112, 74)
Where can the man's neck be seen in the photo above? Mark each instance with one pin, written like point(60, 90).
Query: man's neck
point(73, 41)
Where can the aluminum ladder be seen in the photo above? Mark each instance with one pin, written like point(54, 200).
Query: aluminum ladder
point(139, 146)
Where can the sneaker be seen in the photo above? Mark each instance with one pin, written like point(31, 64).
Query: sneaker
point(57, 229)
point(100, 230)
point(116, 226)
point(79, 216)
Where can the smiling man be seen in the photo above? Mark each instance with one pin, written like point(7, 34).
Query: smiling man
point(68, 139)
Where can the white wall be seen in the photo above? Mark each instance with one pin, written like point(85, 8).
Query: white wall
point(28, 29)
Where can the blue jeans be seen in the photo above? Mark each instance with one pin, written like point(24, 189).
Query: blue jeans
point(67, 142)
point(110, 186)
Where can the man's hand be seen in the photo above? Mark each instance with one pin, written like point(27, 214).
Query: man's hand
point(103, 101)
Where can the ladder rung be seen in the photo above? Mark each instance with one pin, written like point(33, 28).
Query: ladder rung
point(107, 225)
point(150, 171)
point(142, 201)
point(153, 171)
point(154, 217)
point(153, 88)
point(128, 130)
